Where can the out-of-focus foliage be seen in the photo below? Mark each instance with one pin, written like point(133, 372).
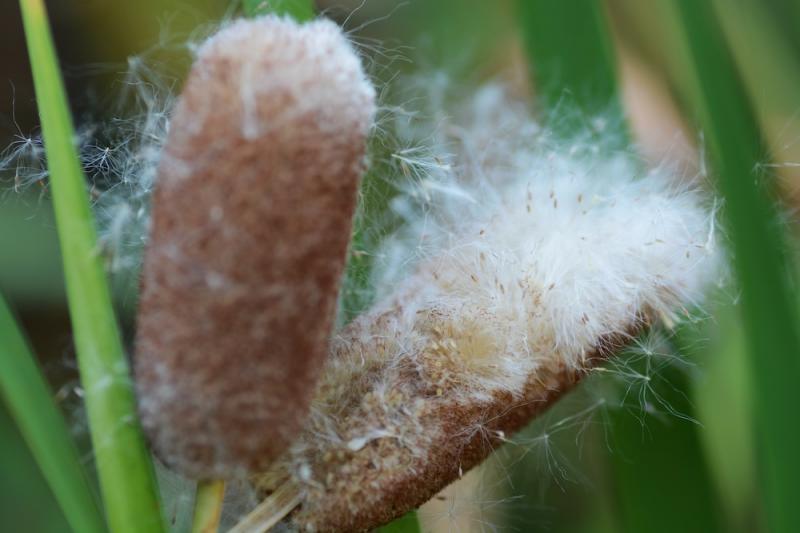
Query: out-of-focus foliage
point(770, 319)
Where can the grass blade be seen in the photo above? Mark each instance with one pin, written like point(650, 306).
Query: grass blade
point(127, 479)
point(300, 10)
point(30, 402)
point(657, 495)
point(770, 318)
point(571, 58)
point(723, 405)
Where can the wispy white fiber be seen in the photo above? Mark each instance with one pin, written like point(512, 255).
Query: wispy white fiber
point(544, 239)
point(519, 256)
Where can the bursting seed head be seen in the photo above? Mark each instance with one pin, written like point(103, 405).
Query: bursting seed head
point(534, 266)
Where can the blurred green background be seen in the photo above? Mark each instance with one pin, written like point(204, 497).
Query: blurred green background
point(584, 467)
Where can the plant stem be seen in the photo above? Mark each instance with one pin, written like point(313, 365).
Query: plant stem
point(30, 402)
point(208, 506)
point(127, 479)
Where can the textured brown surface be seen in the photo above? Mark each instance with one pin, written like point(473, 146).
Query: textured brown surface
point(417, 479)
point(435, 432)
point(251, 221)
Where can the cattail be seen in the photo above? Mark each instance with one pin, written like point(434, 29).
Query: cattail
point(536, 267)
point(251, 221)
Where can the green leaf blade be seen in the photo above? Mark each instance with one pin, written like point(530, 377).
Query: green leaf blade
point(127, 479)
point(30, 402)
point(768, 304)
point(571, 60)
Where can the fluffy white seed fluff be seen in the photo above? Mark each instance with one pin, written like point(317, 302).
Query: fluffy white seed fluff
point(519, 260)
point(598, 239)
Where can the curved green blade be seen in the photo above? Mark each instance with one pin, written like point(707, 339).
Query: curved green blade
point(127, 479)
point(768, 300)
point(25, 391)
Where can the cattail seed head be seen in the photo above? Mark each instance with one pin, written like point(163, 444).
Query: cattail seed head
point(251, 220)
point(535, 265)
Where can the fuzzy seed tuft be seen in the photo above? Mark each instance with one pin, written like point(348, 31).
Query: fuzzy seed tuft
point(534, 265)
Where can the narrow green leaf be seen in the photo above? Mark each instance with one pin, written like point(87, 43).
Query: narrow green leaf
point(127, 479)
point(662, 478)
point(27, 502)
point(571, 59)
point(30, 402)
point(300, 10)
point(723, 403)
point(770, 318)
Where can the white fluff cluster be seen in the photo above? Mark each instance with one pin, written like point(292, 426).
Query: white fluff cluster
point(548, 247)
point(521, 261)
point(119, 157)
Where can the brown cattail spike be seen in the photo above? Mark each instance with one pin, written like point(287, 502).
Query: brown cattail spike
point(251, 220)
point(534, 266)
